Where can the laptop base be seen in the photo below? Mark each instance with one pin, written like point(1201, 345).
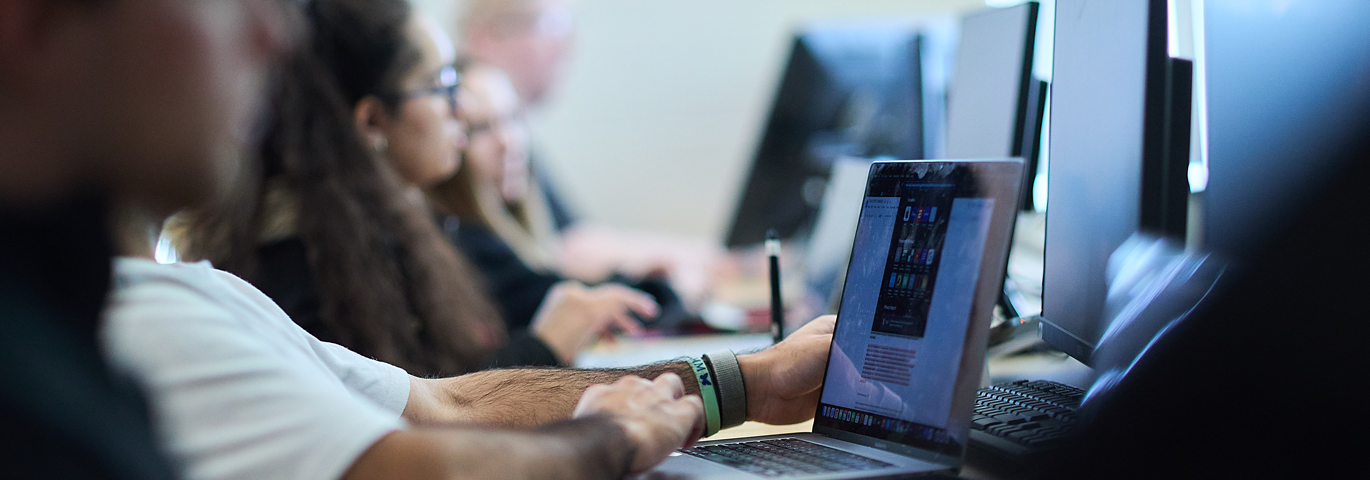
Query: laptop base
point(682, 466)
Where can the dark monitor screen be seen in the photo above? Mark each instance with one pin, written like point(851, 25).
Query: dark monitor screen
point(1098, 117)
point(850, 90)
point(987, 100)
point(1285, 82)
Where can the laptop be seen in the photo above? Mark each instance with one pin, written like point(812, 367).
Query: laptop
point(927, 265)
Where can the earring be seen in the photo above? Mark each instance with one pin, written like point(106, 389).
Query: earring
point(379, 144)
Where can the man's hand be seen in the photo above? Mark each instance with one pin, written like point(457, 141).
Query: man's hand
point(656, 414)
point(783, 381)
point(573, 315)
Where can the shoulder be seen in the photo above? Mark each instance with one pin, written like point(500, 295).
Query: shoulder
point(184, 288)
point(144, 286)
point(165, 317)
point(240, 391)
point(161, 314)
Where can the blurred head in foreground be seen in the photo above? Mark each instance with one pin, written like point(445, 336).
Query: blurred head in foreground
point(146, 102)
point(148, 99)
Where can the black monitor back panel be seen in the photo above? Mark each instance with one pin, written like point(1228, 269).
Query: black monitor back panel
point(848, 90)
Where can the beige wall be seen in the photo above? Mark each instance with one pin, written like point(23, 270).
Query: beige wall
point(656, 121)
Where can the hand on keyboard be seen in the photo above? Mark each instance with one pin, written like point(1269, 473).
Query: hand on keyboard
point(656, 415)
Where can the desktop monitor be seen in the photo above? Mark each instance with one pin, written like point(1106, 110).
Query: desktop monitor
point(850, 90)
point(993, 102)
point(829, 248)
point(1286, 82)
point(1111, 130)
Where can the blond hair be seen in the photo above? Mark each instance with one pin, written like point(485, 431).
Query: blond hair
point(526, 226)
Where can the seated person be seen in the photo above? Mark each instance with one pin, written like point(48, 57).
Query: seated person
point(494, 212)
point(337, 233)
point(529, 41)
point(80, 83)
point(241, 392)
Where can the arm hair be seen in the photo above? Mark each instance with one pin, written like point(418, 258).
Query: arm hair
point(519, 397)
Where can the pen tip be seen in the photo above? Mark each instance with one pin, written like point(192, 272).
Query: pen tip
point(771, 235)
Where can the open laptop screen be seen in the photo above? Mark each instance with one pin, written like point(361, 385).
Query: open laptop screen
point(928, 252)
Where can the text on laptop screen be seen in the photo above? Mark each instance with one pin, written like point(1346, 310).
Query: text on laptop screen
point(906, 309)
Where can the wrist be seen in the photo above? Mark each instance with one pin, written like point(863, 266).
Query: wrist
point(754, 376)
point(604, 446)
point(730, 385)
point(621, 451)
point(708, 394)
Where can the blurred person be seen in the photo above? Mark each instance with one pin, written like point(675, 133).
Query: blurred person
point(101, 102)
point(332, 225)
point(530, 40)
point(494, 211)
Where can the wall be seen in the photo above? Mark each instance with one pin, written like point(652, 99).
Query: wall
point(657, 119)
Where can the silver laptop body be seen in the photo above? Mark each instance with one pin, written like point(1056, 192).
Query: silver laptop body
point(926, 267)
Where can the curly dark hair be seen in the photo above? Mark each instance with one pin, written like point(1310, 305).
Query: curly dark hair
point(390, 285)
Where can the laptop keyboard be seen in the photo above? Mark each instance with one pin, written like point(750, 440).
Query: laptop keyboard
point(784, 457)
point(1031, 415)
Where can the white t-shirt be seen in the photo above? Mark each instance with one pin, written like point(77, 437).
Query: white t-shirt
point(237, 390)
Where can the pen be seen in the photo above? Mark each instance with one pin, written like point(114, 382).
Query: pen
point(777, 308)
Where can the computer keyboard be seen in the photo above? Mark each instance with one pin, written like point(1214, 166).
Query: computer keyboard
point(784, 456)
point(1018, 418)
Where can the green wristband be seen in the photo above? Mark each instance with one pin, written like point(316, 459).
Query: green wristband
point(706, 393)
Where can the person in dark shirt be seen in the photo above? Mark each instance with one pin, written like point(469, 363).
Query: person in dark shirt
point(528, 42)
point(497, 210)
point(332, 226)
point(102, 101)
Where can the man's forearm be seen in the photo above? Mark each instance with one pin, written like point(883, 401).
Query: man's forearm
point(782, 386)
point(585, 448)
point(519, 396)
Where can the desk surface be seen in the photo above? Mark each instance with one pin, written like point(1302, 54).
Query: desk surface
point(757, 429)
point(630, 352)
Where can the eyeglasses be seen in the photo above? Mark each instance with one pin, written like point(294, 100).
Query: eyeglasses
point(448, 83)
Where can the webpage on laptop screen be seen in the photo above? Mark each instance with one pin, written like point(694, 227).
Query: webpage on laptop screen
point(905, 311)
